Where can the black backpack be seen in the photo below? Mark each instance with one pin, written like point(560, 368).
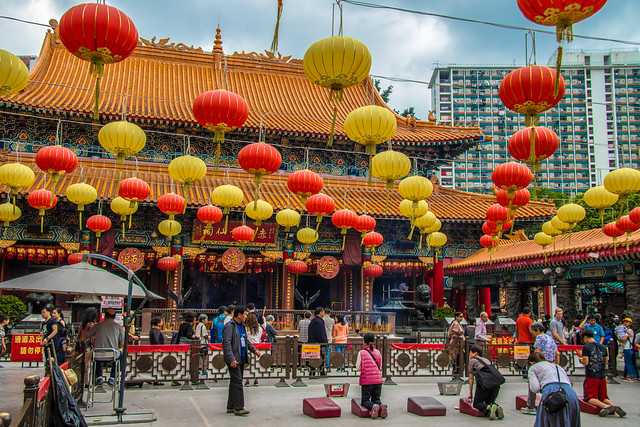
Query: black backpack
point(488, 377)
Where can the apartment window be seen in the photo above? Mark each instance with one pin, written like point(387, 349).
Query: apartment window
point(587, 60)
point(607, 60)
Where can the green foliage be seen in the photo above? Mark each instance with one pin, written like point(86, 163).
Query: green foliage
point(385, 93)
point(593, 220)
point(411, 111)
point(442, 312)
point(12, 307)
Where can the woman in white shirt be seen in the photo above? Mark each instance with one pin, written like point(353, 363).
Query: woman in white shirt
point(546, 378)
point(254, 333)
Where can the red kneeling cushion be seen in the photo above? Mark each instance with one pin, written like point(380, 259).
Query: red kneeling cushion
point(426, 406)
point(466, 407)
point(588, 407)
point(521, 401)
point(359, 410)
point(320, 407)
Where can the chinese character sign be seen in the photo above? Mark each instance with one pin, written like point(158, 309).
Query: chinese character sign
point(26, 348)
point(328, 267)
point(233, 260)
point(132, 258)
point(265, 234)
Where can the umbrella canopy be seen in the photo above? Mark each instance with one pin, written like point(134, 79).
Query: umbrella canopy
point(77, 279)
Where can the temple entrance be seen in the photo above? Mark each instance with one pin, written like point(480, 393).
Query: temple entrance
point(211, 290)
point(312, 292)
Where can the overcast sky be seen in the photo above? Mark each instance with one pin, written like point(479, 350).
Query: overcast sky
point(402, 45)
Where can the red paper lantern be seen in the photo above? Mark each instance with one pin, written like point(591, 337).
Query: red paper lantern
point(344, 219)
point(487, 241)
point(511, 176)
point(365, 224)
point(489, 227)
point(172, 204)
point(167, 263)
point(497, 214)
point(242, 234)
point(220, 111)
point(624, 223)
point(98, 224)
point(99, 34)
point(297, 267)
point(134, 189)
point(611, 229)
point(530, 91)
point(209, 215)
point(320, 205)
point(259, 159)
point(634, 215)
point(56, 161)
point(372, 271)
point(372, 240)
point(516, 199)
point(75, 258)
point(304, 183)
point(42, 200)
point(544, 141)
point(561, 14)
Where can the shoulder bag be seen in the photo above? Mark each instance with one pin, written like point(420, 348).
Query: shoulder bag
point(488, 377)
point(556, 400)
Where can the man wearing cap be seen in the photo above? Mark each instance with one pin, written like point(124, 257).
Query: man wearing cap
point(625, 336)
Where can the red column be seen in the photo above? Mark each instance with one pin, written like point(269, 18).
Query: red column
point(437, 288)
point(547, 300)
point(485, 299)
point(462, 301)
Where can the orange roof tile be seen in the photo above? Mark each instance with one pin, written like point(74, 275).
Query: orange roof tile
point(570, 247)
point(158, 85)
point(353, 193)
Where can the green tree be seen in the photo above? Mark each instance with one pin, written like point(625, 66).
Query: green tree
point(593, 218)
point(385, 93)
point(12, 307)
point(411, 111)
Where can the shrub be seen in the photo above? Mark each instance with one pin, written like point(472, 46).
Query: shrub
point(443, 312)
point(12, 307)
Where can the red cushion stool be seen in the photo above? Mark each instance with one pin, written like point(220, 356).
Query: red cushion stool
point(320, 407)
point(358, 410)
point(587, 407)
point(426, 406)
point(466, 407)
point(521, 401)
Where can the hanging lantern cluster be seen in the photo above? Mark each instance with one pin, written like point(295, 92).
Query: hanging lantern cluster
point(123, 208)
point(414, 190)
point(171, 204)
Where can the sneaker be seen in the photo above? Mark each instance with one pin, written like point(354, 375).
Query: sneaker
point(99, 381)
point(604, 412)
point(375, 411)
point(499, 412)
point(492, 411)
point(241, 412)
point(111, 381)
point(619, 411)
point(384, 411)
point(528, 411)
point(230, 411)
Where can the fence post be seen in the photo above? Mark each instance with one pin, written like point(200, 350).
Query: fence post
point(386, 359)
point(287, 359)
point(31, 385)
point(294, 365)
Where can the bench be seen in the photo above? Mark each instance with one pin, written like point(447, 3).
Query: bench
point(466, 407)
point(320, 407)
point(358, 410)
point(587, 407)
point(426, 406)
point(521, 401)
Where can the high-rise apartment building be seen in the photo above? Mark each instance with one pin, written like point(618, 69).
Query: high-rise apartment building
point(598, 120)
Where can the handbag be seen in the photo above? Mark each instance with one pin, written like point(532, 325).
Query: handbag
point(488, 377)
point(556, 400)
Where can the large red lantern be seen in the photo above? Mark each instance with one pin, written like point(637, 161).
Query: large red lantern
point(320, 205)
point(372, 240)
point(209, 215)
point(259, 159)
point(134, 190)
point(611, 230)
point(497, 214)
point(533, 144)
point(220, 111)
point(511, 176)
point(364, 224)
point(42, 200)
point(634, 215)
point(530, 91)
point(487, 241)
point(167, 263)
point(297, 267)
point(56, 161)
point(99, 34)
point(372, 271)
point(489, 227)
point(624, 223)
point(98, 224)
point(242, 234)
point(344, 219)
point(513, 200)
point(304, 183)
point(172, 204)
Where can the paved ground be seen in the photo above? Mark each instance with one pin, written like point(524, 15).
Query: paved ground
point(281, 406)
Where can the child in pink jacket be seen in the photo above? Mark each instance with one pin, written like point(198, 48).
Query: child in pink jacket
point(369, 363)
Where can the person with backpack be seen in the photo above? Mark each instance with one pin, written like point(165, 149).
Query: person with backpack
point(217, 325)
point(369, 364)
point(559, 403)
point(488, 381)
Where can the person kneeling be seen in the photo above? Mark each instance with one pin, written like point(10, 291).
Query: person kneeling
point(369, 362)
point(488, 381)
point(594, 359)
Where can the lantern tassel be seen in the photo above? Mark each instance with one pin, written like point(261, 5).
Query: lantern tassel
point(42, 223)
point(274, 42)
point(318, 222)
point(124, 224)
point(334, 117)
point(413, 226)
point(97, 242)
point(420, 242)
point(80, 219)
point(532, 145)
point(556, 85)
point(97, 68)
point(226, 223)
point(344, 237)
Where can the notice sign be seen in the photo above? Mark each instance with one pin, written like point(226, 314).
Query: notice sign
point(521, 352)
point(112, 302)
point(310, 351)
point(26, 348)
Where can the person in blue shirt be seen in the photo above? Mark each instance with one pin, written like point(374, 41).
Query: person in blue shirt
point(217, 326)
point(592, 323)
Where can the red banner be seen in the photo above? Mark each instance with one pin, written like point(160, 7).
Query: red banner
point(26, 348)
point(407, 347)
point(265, 235)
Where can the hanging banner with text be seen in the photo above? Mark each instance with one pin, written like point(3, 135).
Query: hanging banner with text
point(265, 234)
point(26, 348)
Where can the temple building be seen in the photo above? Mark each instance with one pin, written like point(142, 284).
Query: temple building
point(155, 88)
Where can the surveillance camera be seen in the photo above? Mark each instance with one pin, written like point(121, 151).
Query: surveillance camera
point(546, 271)
point(559, 270)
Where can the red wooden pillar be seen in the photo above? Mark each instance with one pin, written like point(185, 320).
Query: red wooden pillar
point(461, 303)
point(437, 288)
point(547, 300)
point(485, 299)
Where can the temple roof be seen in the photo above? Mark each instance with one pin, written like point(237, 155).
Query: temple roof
point(577, 247)
point(159, 82)
point(354, 193)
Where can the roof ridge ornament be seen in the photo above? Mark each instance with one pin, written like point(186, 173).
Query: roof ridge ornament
point(165, 43)
point(218, 52)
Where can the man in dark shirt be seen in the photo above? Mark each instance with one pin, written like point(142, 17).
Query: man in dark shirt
point(594, 359)
point(318, 335)
point(155, 335)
